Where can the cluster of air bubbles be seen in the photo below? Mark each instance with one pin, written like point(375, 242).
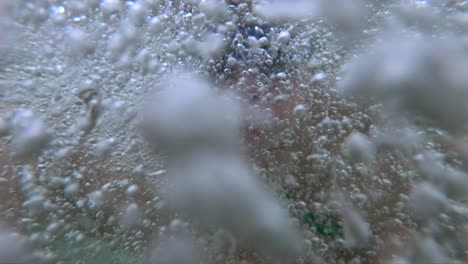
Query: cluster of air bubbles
point(211, 181)
point(233, 131)
point(30, 133)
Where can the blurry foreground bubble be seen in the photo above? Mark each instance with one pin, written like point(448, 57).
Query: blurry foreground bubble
point(288, 10)
point(359, 148)
point(421, 76)
point(188, 113)
point(79, 43)
point(426, 201)
point(12, 248)
point(347, 17)
point(109, 7)
point(177, 250)
point(30, 134)
point(212, 182)
point(219, 191)
point(357, 231)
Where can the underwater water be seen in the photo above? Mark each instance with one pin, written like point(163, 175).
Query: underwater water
point(233, 131)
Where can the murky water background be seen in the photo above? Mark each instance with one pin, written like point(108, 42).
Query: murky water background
point(233, 131)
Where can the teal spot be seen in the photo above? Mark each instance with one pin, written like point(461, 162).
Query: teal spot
point(309, 219)
point(327, 227)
